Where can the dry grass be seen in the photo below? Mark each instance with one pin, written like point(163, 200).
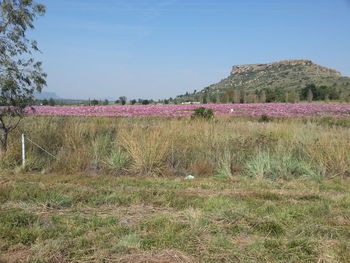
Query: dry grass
point(165, 256)
point(148, 148)
point(225, 147)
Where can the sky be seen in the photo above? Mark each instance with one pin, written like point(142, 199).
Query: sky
point(158, 49)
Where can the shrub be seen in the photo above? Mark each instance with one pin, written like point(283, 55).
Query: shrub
point(203, 113)
point(265, 118)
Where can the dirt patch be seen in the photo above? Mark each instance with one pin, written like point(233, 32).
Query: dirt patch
point(16, 254)
point(164, 256)
point(260, 194)
point(4, 182)
point(127, 215)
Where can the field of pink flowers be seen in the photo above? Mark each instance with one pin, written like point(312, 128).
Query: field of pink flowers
point(273, 110)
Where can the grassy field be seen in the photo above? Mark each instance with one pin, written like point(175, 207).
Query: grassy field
point(272, 191)
point(59, 218)
point(281, 148)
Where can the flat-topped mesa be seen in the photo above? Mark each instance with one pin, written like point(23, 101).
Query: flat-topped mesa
point(256, 67)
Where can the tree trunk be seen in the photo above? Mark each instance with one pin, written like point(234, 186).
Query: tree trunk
point(3, 141)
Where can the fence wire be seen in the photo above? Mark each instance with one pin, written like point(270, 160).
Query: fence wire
point(41, 148)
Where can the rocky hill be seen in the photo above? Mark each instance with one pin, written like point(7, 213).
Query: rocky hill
point(282, 64)
point(282, 77)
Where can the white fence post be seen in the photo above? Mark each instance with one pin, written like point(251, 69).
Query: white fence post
point(23, 150)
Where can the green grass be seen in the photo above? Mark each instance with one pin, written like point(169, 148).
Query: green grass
point(96, 218)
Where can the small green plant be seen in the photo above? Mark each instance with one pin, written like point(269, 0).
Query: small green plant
point(118, 160)
point(265, 118)
point(224, 167)
point(203, 113)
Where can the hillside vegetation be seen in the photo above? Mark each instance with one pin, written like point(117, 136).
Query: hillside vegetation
point(285, 81)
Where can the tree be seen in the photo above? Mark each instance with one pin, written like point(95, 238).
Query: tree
point(94, 102)
point(20, 74)
point(262, 97)
point(145, 102)
point(52, 102)
point(252, 98)
point(345, 96)
point(122, 100)
point(293, 97)
point(205, 98)
point(133, 102)
point(224, 97)
point(228, 96)
point(326, 97)
point(105, 102)
point(45, 102)
point(309, 95)
point(305, 91)
point(243, 96)
point(236, 97)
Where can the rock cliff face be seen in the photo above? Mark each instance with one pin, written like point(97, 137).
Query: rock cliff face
point(258, 67)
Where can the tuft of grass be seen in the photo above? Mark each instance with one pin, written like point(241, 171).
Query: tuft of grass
point(225, 165)
point(148, 150)
point(279, 165)
point(118, 161)
point(128, 243)
point(269, 227)
point(260, 166)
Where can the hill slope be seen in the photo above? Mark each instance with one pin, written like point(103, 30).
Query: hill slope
point(284, 76)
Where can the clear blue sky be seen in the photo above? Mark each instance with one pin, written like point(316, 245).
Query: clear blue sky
point(163, 48)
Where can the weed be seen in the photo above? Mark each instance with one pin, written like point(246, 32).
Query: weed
point(269, 227)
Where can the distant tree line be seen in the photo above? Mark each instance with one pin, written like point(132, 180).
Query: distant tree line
point(47, 102)
point(308, 93)
point(120, 101)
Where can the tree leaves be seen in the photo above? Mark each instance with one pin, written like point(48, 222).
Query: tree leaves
point(20, 74)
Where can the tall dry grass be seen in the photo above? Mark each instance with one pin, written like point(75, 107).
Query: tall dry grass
point(148, 148)
point(284, 148)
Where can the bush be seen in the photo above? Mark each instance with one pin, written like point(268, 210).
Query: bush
point(265, 118)
point(203, 113)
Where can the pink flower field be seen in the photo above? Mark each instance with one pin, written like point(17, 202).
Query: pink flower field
point(273, 110)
